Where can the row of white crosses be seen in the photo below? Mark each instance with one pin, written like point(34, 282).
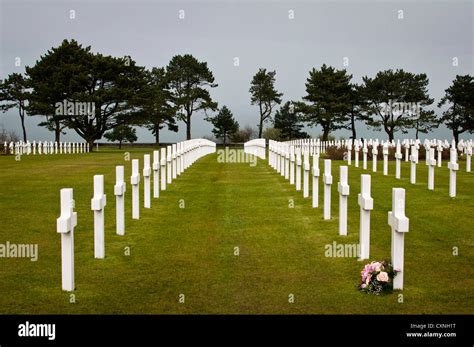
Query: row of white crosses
point(45, 147)
point(282, 156)
point(174, 160)
point(411, 155)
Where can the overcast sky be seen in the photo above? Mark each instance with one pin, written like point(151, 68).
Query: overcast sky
point(369, 34)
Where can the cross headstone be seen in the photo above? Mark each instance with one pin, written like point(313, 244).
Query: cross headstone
point(98, 203)
point(181, 158)
point(366, 204)
point(119, 191)
point(398, 159)
point(453, 166)
point(65, 225)
point(156, 168)
point(407, 148)
point(315, 180)
point(399, 224)
point(146, 181)
point(431, 167)
point(278, 158)
point(327, 180)
point(440, 153)
point(356, 152)
point(173, 156)
point(292, 164)
point(427, 149)
point(287, 162)
point(343, 189)
point(163, 168)
point(385, 158)
point(413, 163)
point(468, 156)
point(375, 151)
point(169, 159)
point(282, 161)
point(178, 159)
point(365, 150)
point(135, 182)
point(306, 174)
point(298, 168)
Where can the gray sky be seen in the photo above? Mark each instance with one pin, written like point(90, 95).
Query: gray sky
point(259, 33)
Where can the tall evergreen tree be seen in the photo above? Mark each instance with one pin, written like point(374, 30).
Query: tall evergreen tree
point(389, 88)
point(188, 80)
point(111, 87)
point(459, 117)
point(122, 133)
point(356, 104)
point(328, 99)
point(288, 122)
point(158, 108)
point(224, 123)
point(264, 94)
point(14, 93)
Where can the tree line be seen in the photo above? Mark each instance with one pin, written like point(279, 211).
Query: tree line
point(98, 96)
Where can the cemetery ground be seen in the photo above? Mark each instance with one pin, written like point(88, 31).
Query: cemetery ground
point(191, 250)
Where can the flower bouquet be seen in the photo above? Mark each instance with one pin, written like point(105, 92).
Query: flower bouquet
point(377, 277)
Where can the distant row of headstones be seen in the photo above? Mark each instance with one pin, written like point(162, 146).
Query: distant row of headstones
point(291, 159)
point(174, 160)
point(294, 150)
point(45, 147)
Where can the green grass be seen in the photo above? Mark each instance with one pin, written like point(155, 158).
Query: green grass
point(191, 250)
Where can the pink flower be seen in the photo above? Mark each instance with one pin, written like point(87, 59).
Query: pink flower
point(363, 285)
point(382, 276)
point(367, 280)
point(376, 266)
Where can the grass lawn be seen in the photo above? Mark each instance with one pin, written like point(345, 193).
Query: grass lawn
point(190, 250)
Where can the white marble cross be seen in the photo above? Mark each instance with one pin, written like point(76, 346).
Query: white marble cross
point(375, 151)
point(399, 224)
point(468, 156)
point(169, 158)
point(366, 204)
point(306, 168)
point(98, 203)
point(365, 150)
point(146, 181)
point(343, 189)
point(440, 152)
point(292, 164)
point(156, 169)
point(407, 148)
point(356, 153)
point(453, 166)
point(385, 158)
point(163, 168)
point(315, 180)
point(298, 168)
point(287, 162)
point(135, 182)
point(173, 156)
point(178, 159)
point(413, 162)
point(431, 167)
point(119, 191)
point(398, 159)
point(65, 226)
point(327, 180)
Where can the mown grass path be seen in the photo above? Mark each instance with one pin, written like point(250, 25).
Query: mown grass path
point(191, 250)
